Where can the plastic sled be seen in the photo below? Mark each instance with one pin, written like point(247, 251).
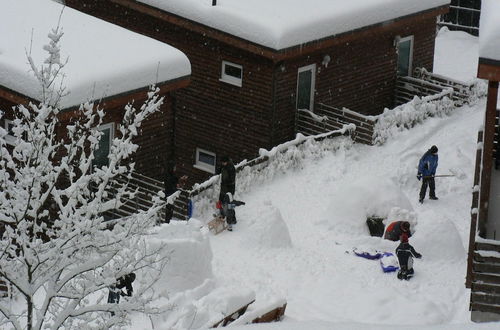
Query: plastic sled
point(372, 255)
point(389, 262)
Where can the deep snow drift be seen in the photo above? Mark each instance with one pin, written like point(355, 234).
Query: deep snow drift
point(295, 235)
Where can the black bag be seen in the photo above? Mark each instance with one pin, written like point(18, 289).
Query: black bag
point(375, 226)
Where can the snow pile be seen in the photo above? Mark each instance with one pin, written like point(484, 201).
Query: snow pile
point(103, 59)
point(445, 238)
point(268, 229)
point(489, 30)
point(463, 46)
point(365, 201)
point(268, 23)
point(187, 286)
point(190, 257)
point(203, 307)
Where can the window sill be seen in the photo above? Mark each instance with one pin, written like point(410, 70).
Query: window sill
point(233, 82)
point(205, 168)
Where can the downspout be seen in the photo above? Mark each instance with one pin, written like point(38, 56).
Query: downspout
point(273, 106)
point(173, 105)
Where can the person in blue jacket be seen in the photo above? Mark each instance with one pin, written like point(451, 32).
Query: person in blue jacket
point(426, 170)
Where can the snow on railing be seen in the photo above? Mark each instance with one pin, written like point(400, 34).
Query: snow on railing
point(409, 114)
point(270, 164)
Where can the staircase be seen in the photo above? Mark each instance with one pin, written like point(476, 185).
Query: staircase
point(145, 188)
point(485, 288)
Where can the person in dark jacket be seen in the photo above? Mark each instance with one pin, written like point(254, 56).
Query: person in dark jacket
point(396, 229)
point(227, 211)
point(426, 170)
point(172, 184)
point(227, 177)
point(405, 253)
point(115, 291)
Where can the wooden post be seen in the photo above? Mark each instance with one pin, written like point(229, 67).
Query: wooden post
point(488, 138)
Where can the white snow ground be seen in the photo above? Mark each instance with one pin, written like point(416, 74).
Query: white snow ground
point(324, 203)
point(295, 235)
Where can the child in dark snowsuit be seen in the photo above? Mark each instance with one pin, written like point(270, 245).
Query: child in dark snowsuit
point(115, 291)
point(227, 211)
point(405, 253)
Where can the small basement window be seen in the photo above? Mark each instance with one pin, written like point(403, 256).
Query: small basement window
point(232, 73)
point(205, 160)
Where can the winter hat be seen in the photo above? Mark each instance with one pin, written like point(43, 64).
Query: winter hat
point(404, 238)
point(224, 158)
point(434, 149)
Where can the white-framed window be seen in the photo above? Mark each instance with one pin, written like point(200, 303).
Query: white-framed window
point(101, 154)
point(306, 81)
point(205, 160)
point(231, 73)
point(405, 56)
point(9, 138)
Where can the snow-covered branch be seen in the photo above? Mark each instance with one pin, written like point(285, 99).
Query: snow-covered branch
point(57, 251)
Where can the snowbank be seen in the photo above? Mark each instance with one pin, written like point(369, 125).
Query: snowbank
point(267, 229)
point(351, 205)
point(268, 23)
point(190, 257)
point(204, 307)
point(489, 30)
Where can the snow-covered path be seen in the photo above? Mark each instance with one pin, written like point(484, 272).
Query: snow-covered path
point(324, 206)
point(304, 215)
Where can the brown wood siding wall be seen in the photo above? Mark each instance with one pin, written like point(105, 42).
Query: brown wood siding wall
point(226, 119)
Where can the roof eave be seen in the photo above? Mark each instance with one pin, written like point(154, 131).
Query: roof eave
point(488, 69)
point(107, 102)
point(274, 54)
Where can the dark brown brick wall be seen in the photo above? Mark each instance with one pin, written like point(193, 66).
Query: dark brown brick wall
point(155, 138)
point(355, 78)
point(209, 114)
point(226, 119)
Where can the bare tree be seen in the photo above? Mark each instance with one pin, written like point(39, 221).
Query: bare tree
point(57, 252)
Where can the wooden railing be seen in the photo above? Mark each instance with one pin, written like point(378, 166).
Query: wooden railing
point(409, 87)
point(462, 92)
point(144, 187)
point(474, 211)
point(483, 261)
point(328, 118)
point(182, 202)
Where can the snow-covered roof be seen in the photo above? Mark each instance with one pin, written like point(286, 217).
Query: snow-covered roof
point(489, 30)
point(103, 59)
point(279, 24)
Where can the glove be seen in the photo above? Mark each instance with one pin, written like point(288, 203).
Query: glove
point(418, 255)
point(419, 176)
